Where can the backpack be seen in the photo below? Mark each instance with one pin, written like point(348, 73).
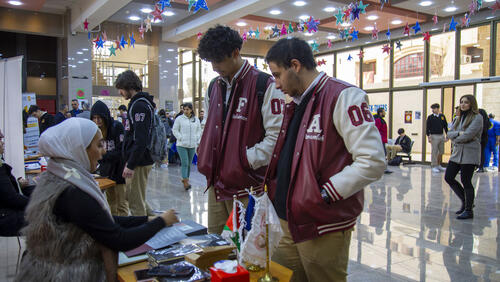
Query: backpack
point(158, 134)
point(260, 86)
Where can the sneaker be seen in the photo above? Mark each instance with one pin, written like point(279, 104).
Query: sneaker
point(493, 168)
point(436, 169)
point(480, 170)
point(443, 169)
point(164, 166)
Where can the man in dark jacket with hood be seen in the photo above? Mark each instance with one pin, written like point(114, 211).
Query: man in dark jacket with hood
point(112, 162)
point(137, 139)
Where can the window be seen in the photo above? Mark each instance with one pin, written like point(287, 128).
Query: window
point(348, 66)
point(442, 57)
point(475, 52)
point(407, 114)
point(375, 68)
point(409, 66)
point(408, 62)
point(326, 64)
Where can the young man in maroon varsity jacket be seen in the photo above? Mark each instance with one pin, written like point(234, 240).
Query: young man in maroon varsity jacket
point(241, 128)
point(328, 150)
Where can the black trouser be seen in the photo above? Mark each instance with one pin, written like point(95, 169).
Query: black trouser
point(483, 148)
point(465, 192)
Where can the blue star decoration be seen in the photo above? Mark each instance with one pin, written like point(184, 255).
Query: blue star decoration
point(399, 45)
point(100, 43)
point(123, 42)
point(354, 34)
point(315, 46)
point(416, 28)
point(89, 35)
point(163, 4)
point(382, 2)
point(200, 4)
point(453, 24)
point(276, 31)
point(388, 34)
point(355, 13)
point(349, 58)
point(312, 25)
point(132, 40)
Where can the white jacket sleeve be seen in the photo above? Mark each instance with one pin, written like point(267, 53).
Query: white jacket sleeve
point(272, 117)
point(355, 124)
point(198, 132)
point(176, 130)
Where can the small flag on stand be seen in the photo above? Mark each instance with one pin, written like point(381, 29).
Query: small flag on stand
point(235, 224)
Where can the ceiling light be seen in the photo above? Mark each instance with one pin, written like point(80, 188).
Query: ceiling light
point(157, 21)
point(489, 0)
point(170, 50)
point(85, 59)
point(310, 41)
point(476, 45)
point(372, 17)
point(168, 61)
point(80, 62)
point(329, 9)
point(268, 27)
point(304, 17)
point(134, 18)
point(275, 12)
point(79, 53)
point(425, 3)
point(85, 49)
point(397, 22)
point(241, 24)
point(488, 38)
point(368, 28)
point(490, 17)
point(345, 24)
point(450, 9)
point(299, 3)
point(331, 37)
point(146, 10)
point(15, 3)
point(434, 29)
point(168, 13)
point(308, 34)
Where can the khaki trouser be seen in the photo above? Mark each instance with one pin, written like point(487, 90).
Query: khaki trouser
point(136, 191)
point(218, 212)
point(437, 144)
point(322, 259)
point(392, 151)
point(117, 200)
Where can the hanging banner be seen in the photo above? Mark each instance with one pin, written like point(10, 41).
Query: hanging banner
point(32, 134)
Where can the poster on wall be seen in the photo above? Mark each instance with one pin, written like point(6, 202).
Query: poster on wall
point(80, 93)
point(169, 105)
point(408, 116)
point(30, 138)
point(418, 115)
point(28, 100)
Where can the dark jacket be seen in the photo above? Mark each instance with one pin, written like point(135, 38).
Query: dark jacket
point(75, 112)
point(382, 127)
point(436, 125)
point(112, 163)
point(166, 124)
point(138, 136)
point(59, 118)
point(404, 142)
point(46, 121)
point(486, 126)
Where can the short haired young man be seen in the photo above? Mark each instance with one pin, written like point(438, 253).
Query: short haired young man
point(328, 150)
point(45, 120)
point(61, 114)
point(243, 118)
point(137, 138)
point(436, 130)
point(74, 106)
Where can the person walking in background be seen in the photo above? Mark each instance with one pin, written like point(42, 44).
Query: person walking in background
point(382, 129)
point(112, 162)
point(187, 130)
point(436, 130)
point(137, 139)
point(61, 115)
point(45, 120)
point(168, 133)
point(465, 134)
point(484, 138)
point(492, 146)
point(75, 108)
point(402, 144)
point(85, 112)
point(122, 116)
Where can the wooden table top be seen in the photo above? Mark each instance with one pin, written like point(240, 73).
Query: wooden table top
point(126, 273)
point(105, 183)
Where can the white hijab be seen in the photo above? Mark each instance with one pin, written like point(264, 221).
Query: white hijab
point(66, 146)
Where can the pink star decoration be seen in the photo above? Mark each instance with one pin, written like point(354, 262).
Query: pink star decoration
point(86, 25)
point(427, 36)
point(386, 48)
point(407, 30)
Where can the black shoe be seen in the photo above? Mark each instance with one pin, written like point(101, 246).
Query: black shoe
point(387, 171)
point(460, 211)
point(480, 170)
point(466, 215)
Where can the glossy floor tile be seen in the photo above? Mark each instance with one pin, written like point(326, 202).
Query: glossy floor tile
point(407, 231)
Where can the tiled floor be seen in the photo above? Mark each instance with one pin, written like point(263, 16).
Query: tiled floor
point(407, 231)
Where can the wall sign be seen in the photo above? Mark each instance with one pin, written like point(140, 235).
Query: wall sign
point(80, 93)
point(408, 116)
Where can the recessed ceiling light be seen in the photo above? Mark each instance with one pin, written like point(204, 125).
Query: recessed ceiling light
point(346, 24)
point(372, 17)
point(331, 37)
point(488, 38)
point(168, 13)
point(308, 34)
point(85, 49)
point(134, 18)
point(450, 9)
point(157, 21)
point(489, 0)
point(15, 3)
point(73, 66)
point(146, 10)
point(275, 12)
point(310, 41)
point(425, 3)
point(79, 53)
point(490, 17)
point(434, 29)
point(85, 59)
point(170, 50)
point(241, 24)
point(299, 3)
point(168, 61)
point(368, 28)
point(80, 62)
point(304, 17)
point(329, 9)
point(397, 22)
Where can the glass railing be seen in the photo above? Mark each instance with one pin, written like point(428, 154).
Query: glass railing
point(104, 73)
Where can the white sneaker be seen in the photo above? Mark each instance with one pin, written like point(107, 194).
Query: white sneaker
point(493, 168)
point(441, 168)
point(436, 170)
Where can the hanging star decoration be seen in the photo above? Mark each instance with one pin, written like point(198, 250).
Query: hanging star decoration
point(407, 30)
point(399, 45)
point(375, 31)
point(244, 36)
point(276, 31)
point(382, 2)
point(283, 30)
point(117, 42)
point(100, 43)
point(123, 42)
point(257, 33)
point(191, 4)
point(163, 4)
point(132, 40)
point(86, 25)
point(321, 62)
point(355, 13)
point(199, 35)
point(157, 14)
point(255, 65)
point(346, 34)
point(104, 36)
point(361, 54)
point(473, 7)
point(264, 66)
point(435, 19)
point(354, 33)
point(388, 34)
point(112, 50)
point(314, 46)
point(141, 31)
point(290, 28)
point(479, 4)
point(347, 14)
point(200, 4)
point(444, 28)
point(250, 33)
point(386, 48)
point(88, 35)
point(427, 36)
point(329, 44)
point(362, 7)
point(312, 25)
point(453, 24)
point(339, 16)
point(349, 58)
point(466, 20)
point(416, 27)
point(147, 21)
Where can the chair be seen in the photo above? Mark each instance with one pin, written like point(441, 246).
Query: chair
point(404, 155)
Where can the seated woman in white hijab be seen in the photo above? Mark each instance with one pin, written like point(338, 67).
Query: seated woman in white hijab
point(71, 234)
